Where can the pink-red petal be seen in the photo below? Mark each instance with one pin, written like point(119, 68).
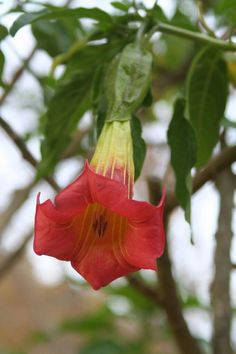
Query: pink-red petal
point(145, 242)
point(54, 235)
point(98, 258)
point(76, 195)
point(114, 196)
point(100, 267)
point(133, 235)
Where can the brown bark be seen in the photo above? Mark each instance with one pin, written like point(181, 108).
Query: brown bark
point(168, 294)
point(172, 304)
point(220, 290)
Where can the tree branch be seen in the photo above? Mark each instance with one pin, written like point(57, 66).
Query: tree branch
point(144, 289)
point(24, 151)
point(168, 294)
point(173, 307)
point(17, 76)
point(220, 289)
point(13, 257)
point(16, 202)
point(217, 164)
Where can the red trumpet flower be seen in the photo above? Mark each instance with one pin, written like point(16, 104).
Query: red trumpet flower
point(94, 224)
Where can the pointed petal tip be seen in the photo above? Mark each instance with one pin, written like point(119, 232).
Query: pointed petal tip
point(163, 196)
point(37, 251)
point(38, 198)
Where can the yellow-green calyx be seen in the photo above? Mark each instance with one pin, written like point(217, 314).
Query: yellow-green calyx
point(113, 156)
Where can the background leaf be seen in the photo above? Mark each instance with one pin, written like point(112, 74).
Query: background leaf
point(2, 62)
point(207, 89)
point(96, 323)
point(3, 32)
point(122, 6)
point(227, 123)
point(139, 146)
point(55, 37)
point(57, 13)
point(72, 98)
point(103, 346)
point(181, 140)
point(226, 9)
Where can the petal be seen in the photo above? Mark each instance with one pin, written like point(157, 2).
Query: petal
point(145, 241)
point(100, 267)
point(114, 196)
point(98, 258)
point(76, 195)
point(54, 235)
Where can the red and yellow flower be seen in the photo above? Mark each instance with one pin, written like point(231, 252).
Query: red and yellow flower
point(95, 224)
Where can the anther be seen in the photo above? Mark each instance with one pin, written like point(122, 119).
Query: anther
point(100, 225)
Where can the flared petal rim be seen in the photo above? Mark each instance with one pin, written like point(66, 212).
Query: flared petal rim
point(114, 196)
point(100, 261)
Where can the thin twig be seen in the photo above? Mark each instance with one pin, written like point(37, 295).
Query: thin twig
point(217, 164)
point(173, 306)
point(13, 257)
point(24, 151)
point(144, 289)
point(17, 76)
point(16, 202)
point(202, 19)
point(196, 36)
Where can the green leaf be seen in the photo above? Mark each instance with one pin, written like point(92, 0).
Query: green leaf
point(38, 337)
point(57, 13)
point(120, 6)
point(207, 89)
point(128, 80)
point(227, 123)
point(68, 105)
point(181, 20)
point(55, 37)
point(2, 62)
point(192, 302)
point(177, 48)
point(72, 99)
point(181, 140)
point(148, 99)
point(95, 323)
point(157, 14)
point(226, 10)
point(3, 32)
point(139, 146)
point(48, 84)
point(103, 346)
point(140, 304)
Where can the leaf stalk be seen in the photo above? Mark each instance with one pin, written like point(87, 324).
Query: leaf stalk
point(196, 36)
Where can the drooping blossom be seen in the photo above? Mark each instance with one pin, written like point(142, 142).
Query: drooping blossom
point(94, 223)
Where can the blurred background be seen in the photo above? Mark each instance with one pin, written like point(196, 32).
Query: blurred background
point(45, 306)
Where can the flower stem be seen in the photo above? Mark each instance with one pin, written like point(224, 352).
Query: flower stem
point(200, 37)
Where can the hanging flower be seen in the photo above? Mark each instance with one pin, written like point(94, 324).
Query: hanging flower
point(95, 224)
